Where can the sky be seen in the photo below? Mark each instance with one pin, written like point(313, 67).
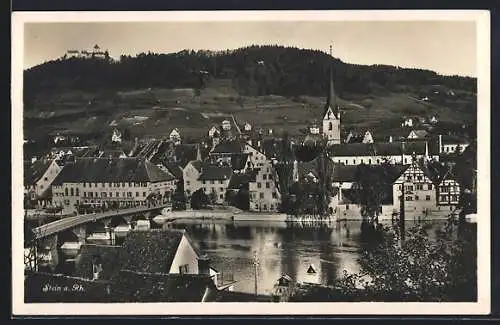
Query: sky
point(447, 47)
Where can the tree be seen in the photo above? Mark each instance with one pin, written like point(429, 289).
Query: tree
point(212, 198)
point(179, 199)
point(371, 189)
point(324, 168)
point(199, 200)
point(419, 269)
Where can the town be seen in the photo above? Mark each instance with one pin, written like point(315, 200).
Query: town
point(102, 216)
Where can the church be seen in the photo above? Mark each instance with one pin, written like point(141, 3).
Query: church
point(367, 152)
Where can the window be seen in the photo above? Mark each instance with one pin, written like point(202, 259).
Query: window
point(399, 187)
point(221, 182)
point(409, 198)
point(110, 184)
point(84, 194)
point(211, 182)
point(204, 189)
point(188, 183)
point(96, 195)
point(66, 191)
point(265, 206)
point(104, 194)
point(91, 194)
point(123, 184)
point(221, 189)
point(184, 269)
point(95, 185)
point(429, 186)
point(330, 126)
point(406, 160)
point(274, 195)
point(143, 194)
point(270, 176)
point(455, 198)
point(347, 207)
point(420, 187)
point(84, 184)
point(354, 161)
point(268, 185)
point(442, 198)
point(90, 185)
point(71, 191)
point(427, 197)
point(261, 195)
point(378, 161)
point(221, 196)
point(110, 194)
point(264, 177)
point(259, 185)
point(203, 182)
point(77, 191)
point(41, 186)
point(419, 178)
point(129, 184)
point(416, 197)
point(137, 194)
point(362, 161)
point(369, 161)
point(45, 178)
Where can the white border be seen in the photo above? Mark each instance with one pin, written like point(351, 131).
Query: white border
point(482, 19)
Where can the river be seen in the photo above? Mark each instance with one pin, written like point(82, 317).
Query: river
point(279, 248)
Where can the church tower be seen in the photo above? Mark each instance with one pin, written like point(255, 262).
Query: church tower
point(331, 114)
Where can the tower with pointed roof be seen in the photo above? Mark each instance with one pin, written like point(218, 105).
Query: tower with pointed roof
point(331, 113)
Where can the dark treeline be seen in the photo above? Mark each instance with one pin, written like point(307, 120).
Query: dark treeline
point(254, 70)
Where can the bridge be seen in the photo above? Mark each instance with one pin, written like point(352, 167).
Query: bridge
point(60, 240)
point(61, 225)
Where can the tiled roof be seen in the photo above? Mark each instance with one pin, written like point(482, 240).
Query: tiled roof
point(237, 181)
point(151, 251)
point(435, 171)
point(33, 172)
point(448, 139)
point(174, 169)
point(103, 170)
point(108, 256)
point(216, 173)
point(230, 147)
point(146, 287)
point(377, 149)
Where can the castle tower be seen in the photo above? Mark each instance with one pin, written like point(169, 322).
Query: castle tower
point(331, 114)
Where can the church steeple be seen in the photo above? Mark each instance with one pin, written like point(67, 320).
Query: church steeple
point(331, 114)
point(331, 100)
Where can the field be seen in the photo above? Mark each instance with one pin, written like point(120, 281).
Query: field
point(155, 112)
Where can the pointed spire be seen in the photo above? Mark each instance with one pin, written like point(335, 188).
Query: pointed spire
point(331, 100)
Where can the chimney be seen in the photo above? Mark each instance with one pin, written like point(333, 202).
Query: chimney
point(440, 143)
point(204, 264)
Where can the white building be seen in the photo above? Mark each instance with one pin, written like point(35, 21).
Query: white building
point(368, 137)
point(226, 125)
point(116, 137)
point(247, 127)
point(175, 136)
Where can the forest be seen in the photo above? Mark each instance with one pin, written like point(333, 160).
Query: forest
point(254, 70)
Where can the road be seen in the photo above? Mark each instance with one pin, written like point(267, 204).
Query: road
point(71, 222)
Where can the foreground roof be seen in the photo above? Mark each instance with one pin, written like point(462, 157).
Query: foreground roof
point(104, 170)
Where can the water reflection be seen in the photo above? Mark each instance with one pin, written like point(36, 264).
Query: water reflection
point(281, 249)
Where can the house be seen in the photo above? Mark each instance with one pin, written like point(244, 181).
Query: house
point(226, 125)
point(214, 132)
point(377, 153)
point(263, 189)
point(314, 129)
point(407, 122)
point(224, 151)
point(433, 120)
point(38, 179)
point(110, 183)
point(418, 134)
point(346, 199)
point(116, 137)
point(214, 180)
point(450, 144)
point(368, 137)
point(247, 127)
point(190, 174)
point(175, 136)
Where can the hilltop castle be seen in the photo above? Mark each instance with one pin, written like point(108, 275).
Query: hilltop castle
point(95, 52)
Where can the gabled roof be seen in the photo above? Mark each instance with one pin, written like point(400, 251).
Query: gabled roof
point(104, 170)
point(237, 181)
point(151, 251)
point(197, 164)
point(216, 173)
point(33, 172)
point(146, 287)
point(174, 169)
